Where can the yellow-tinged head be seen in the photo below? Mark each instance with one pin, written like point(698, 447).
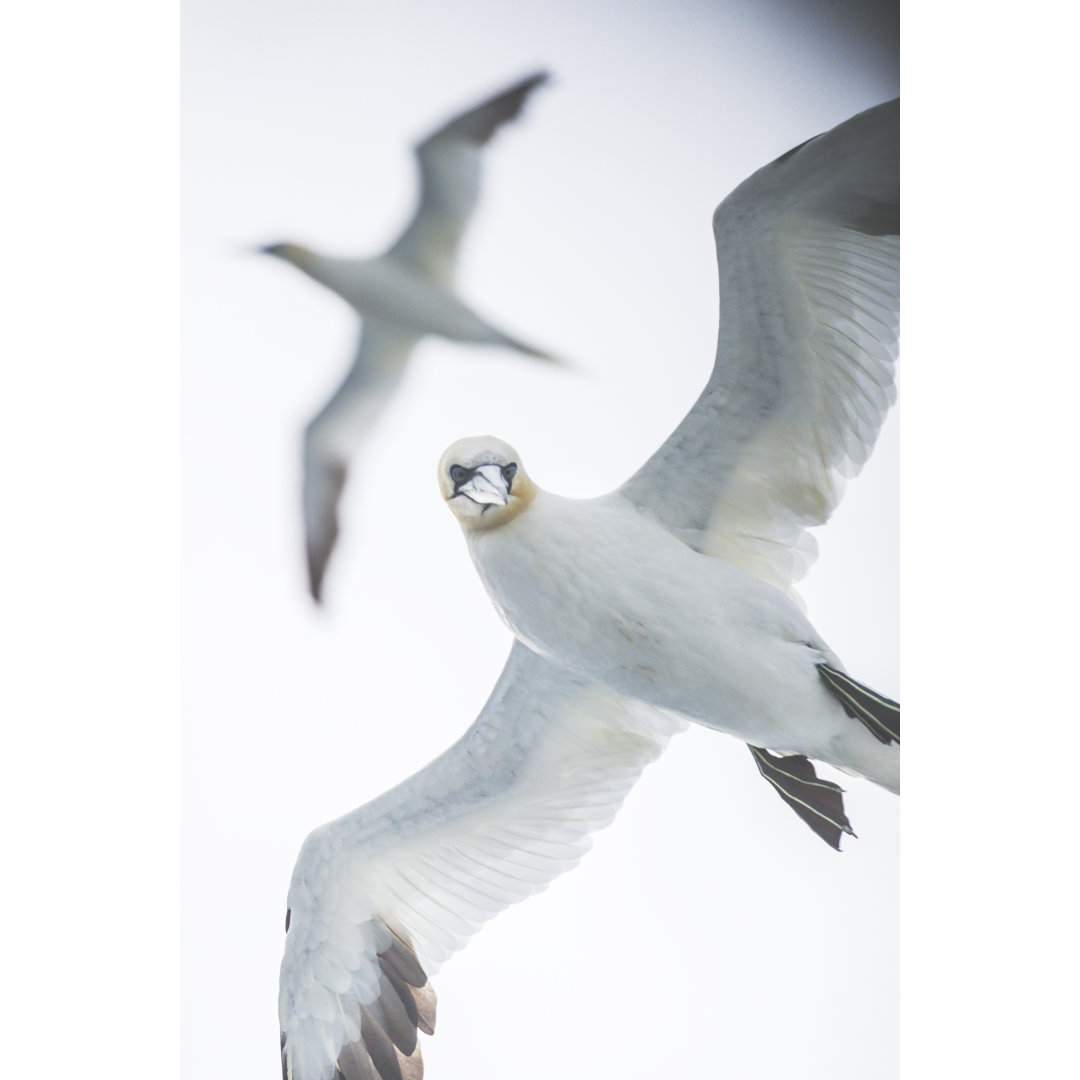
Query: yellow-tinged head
point(296, 254)
point(483, 482)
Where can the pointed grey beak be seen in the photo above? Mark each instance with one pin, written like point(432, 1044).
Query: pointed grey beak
point(486, 486)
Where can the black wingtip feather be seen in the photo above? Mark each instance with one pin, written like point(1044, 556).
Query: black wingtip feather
point(879, 714)
point(820, 803)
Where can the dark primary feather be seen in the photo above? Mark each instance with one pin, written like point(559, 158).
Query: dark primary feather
point(335, 433)
point(451, 160)
point(879, 714)
point(388, 1048)
point(481, 122)
point(324, 481)
point(820, 803)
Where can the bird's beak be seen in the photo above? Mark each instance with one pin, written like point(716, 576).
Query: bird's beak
point(486, 486)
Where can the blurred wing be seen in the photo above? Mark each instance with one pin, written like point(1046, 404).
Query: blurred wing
point(332, 438)
point(381, 897)
point(450, 179)
point(809, 256)
point(324, 481)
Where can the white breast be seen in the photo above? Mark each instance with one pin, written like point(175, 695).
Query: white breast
point(600, 588)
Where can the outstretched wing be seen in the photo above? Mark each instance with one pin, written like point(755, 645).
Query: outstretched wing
point(450, 179)
point(331, 439)
point(809, 256)
point(381, 897)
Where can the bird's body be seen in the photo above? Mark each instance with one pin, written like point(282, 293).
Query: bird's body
point(402, 296)
point(408, 297)
point(677, 629)
point(670, 599)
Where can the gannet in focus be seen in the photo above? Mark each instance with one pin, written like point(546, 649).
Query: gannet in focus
point(667, 601)
point(401, 295)
point(676, 589)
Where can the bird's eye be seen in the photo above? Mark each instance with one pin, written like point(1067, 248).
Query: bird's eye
point(509, 472)
point(459, 474)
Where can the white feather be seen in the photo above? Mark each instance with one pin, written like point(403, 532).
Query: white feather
point(809, 320)
point(493, 820)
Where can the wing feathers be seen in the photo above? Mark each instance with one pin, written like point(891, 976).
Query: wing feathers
point(450, 167)
point(808, 253)
point(400, 958)
point(324, 481)
point(379, 1035)
point(480, 123)
point(334, 434)
point(400, 1025)
point(405, 1035)
point(355, 1064)
point(379, 1045)
point(381, 897)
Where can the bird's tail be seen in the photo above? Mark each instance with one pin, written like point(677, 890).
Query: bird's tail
point(820, 803)
point(879, 714)
point(529, 350)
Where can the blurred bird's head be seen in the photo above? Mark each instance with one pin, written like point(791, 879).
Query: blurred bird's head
point(483, 482)
point(292, 253)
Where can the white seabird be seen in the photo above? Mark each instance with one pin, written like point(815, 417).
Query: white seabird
point(401, 295)
point(669, 600)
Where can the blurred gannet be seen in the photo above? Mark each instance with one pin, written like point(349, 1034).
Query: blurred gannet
point(401, 295)
point(669, 600)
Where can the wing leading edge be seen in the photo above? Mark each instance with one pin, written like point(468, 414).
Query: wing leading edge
point(381, 897)
point(808, 253)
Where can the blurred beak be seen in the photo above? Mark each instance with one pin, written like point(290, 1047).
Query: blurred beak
point(486, 486)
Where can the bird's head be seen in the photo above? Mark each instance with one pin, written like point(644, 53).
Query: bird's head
point(296, 254)
point(483, 482)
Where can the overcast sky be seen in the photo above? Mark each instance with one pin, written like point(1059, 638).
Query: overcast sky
point(88, 441)
point(708, 918)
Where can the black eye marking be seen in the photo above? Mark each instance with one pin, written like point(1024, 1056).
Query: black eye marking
point(509, 472)
point(459, 474)
point(288, 919)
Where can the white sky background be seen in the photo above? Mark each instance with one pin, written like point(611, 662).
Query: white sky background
point(89, 589)
point(709, 932)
